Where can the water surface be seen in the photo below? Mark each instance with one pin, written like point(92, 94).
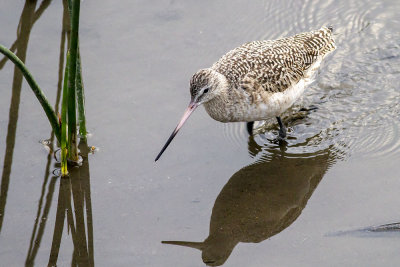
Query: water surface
point(233, 199)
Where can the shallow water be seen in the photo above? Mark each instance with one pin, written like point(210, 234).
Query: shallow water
point(235, 200)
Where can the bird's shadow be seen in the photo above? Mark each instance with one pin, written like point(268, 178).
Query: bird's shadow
point(260, 200)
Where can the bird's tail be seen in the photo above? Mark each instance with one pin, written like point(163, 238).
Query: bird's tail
point(330, 45)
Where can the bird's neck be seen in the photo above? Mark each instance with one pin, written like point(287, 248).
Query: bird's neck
point(227, 105)
point(217, 108)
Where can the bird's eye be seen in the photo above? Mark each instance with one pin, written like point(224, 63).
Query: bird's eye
point(205, 91)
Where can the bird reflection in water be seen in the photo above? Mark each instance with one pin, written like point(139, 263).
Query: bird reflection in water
point(260, 200)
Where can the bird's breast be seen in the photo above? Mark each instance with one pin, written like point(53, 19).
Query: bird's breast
point(254, 106)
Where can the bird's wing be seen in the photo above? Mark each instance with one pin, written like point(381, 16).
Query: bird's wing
point(278, 72)
point(275, 65)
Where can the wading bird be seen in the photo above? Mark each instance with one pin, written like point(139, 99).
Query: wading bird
point(258, 80)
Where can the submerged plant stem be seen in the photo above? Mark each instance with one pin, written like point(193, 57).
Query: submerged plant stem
point(51, 115)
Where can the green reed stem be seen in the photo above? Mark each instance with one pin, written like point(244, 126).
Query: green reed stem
point(69, 2)
point(51, 115)
point(64, 123)
point(80, 99)
point(80, 93)
point(72, 133)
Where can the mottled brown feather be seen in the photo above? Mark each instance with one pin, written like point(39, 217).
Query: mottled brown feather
point(274, 65)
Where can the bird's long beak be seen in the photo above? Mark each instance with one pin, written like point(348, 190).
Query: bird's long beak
point(192, 106)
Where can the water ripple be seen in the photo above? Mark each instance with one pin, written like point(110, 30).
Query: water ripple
point(356, 93)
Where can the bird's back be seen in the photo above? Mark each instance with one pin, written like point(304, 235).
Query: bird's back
point(275, 65)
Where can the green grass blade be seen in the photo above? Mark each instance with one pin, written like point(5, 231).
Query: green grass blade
point(80, 93)
point(64, 123)
point(80, 99)
point(70, 8)
point(51, 115)
point(72, 138)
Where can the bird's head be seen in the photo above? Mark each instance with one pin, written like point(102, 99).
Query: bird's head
point(204, 86)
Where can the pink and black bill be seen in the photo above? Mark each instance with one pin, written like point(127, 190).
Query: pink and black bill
point(192, 106)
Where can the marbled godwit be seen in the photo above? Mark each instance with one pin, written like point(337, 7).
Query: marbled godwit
point(258, 80)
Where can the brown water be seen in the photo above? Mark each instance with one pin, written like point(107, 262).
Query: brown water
point(221, 196)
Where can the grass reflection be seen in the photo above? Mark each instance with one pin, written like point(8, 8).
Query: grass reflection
point(28, 17)
point(74, 208)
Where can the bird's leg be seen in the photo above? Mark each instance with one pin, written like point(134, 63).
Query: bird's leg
point(250, 127)
point(282, 129)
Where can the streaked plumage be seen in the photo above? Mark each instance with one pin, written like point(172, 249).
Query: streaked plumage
point(258, 80)
point(258, 74)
